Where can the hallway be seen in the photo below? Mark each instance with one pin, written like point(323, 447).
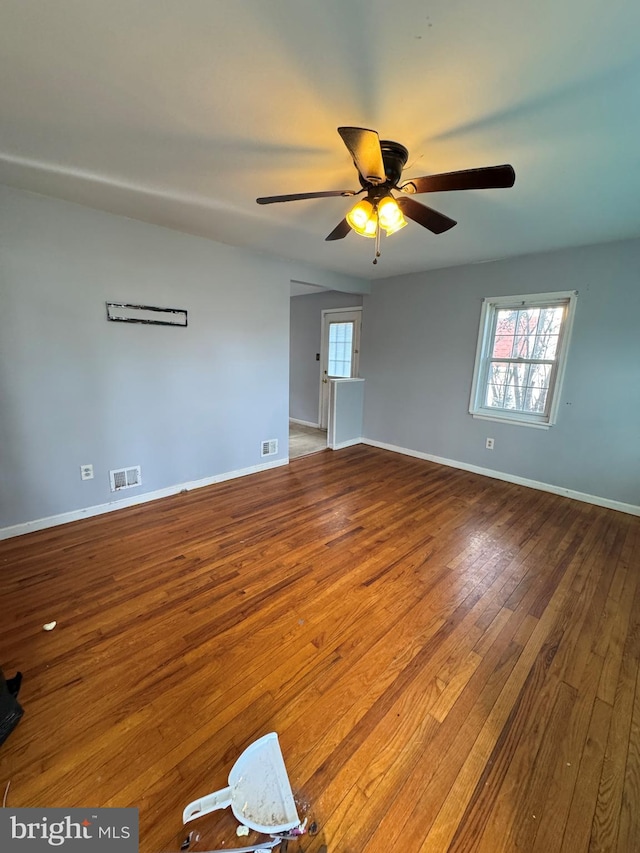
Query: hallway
point(304, 440)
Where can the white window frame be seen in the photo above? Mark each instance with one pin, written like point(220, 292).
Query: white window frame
point(486, 334)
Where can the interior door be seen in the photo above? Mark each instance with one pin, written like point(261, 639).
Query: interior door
point(340, 351)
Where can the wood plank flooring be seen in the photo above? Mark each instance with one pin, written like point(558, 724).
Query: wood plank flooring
point(451, 662)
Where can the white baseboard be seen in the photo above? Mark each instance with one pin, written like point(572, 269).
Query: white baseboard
point(342, 444)
point(100, 509)
point(304, 423)
point(631, 509)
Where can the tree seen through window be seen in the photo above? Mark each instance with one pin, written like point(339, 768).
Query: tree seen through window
point(525, 344)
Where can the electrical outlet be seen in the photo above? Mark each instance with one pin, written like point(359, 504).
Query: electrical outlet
point(86, 472)
point(489, 444)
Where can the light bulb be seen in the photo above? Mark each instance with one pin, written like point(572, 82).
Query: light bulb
point(390, 215)
point(363, 219)
point(371, 227)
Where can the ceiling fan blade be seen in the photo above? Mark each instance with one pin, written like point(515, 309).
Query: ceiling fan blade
point(489, 177)
point(425, 216)
point(364, 147)
point(273, 199)
point(340, 231)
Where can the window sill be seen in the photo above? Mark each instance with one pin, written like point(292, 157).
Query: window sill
point(512, 421)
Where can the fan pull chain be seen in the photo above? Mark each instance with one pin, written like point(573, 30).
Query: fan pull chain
point(375, 260)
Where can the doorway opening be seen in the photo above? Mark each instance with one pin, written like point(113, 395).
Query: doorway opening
point(340, 351)
point(304, 440)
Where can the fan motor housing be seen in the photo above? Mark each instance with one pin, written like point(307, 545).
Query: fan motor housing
point(394, 157)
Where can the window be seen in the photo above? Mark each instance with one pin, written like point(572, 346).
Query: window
point(340, 349)
point(522, 350)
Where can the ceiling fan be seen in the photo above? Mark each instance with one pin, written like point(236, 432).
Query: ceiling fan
point(380, 164)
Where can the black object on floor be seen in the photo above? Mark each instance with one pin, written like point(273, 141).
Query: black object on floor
point(10, 710)
point(13, 684)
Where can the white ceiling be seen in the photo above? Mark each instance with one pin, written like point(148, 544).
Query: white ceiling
point(182, 112)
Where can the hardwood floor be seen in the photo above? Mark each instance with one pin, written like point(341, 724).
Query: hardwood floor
point(451, 662)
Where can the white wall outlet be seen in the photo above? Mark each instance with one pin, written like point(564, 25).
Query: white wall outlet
point(489, 444)
point(86, 472)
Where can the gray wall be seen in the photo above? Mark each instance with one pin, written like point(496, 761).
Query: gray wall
point(306, 335)
point(418, 351)
point(188, 404)
point(185, 404)
point(345, 427)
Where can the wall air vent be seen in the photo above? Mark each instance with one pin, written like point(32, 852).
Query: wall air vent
point(125, 478)
point(270, 447)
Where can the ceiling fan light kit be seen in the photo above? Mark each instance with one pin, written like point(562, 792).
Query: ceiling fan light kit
point(389, 215)
point(379, 164)
point(363, 218)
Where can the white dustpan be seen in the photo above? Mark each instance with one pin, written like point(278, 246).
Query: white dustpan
point(259, 792)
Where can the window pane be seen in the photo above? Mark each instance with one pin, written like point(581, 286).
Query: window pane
point(506, 321)
point(340, 349)
point(510, 399)
point(498, 373)
point(545, 346)
point(550, 320)
point(528, 321)
point(536, 400)
point(539, 375)
point(503, 346)
point(514, 394)
point(517, 375)
point(526, 332)
point(495, 396)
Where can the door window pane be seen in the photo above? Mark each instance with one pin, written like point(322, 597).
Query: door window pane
point(340, 350)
